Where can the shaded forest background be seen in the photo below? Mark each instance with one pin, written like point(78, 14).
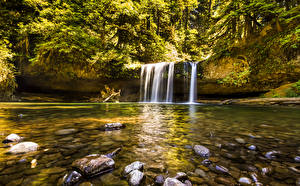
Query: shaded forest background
point(89, 39)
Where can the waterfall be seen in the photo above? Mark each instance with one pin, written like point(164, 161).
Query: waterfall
point(154, 85)
point(170, 83)
point(193, 86)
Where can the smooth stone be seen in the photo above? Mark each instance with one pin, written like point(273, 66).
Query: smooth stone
point(245, 181)
point(297, 159)
point(272, 154)
point(266, 170)
point(114, 126)
point(135, 177)
point(23, 147)
point(201, 173)
point(159, 179)
point(240, 140)
point(12, 138)
point(196, 180)
point(219, 169)
point(202, 151)
point(224, 181)
point(173, 182)
point(181, 176)
point(137, 165)
point(94, 164)
point(65, 132)
point(254, 177)
point(71, 178)
point(206, 162)
point(251, 147)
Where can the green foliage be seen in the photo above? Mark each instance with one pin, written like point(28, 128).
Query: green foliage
point(7, 77)
point(294, 91)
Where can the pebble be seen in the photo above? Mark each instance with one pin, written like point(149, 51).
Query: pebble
point(272, 154)
point(200, 172)
point(206, 162)
point(245, 181)
point(251, 147)
point(297, 159)
point(173, 182)
point(224, 181)
point(65, 132)
point(240, 140)
point(196, 180)
point(159, 179)
point(202, 151)
point(12, 138)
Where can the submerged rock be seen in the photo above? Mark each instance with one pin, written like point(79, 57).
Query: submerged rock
point(12, 138)
point(272, 154)
point(240, 140)
point(89, 166)
point(71, 178)
point(66, 132)
point(245, 181)
point(201, 173)
point(206, 162)
point(251, 147)
point(135, 177)
point(159, 180)
point(113, 126)
point(23, 147)
point(94, 164)
point(219, 169)
point(137, 165)
point(297, 159)
point(202, 151)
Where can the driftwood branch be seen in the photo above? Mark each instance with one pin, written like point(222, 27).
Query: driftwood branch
point(112, 95)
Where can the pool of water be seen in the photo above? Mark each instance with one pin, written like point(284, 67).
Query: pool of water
point(160, 135)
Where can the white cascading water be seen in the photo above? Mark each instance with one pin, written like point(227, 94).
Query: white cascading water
point(169, 97)
point(153, 82)
point(193, 86)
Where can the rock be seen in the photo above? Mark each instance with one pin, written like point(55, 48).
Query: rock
point(71, 178)
point(206, 162)
point(272, 154)
point(113, 126)
point(113, 153)
point(135, 177)
point(297, 159)
point(23, 147)
point(94, 164)
point(219, 169)
point(224, 181)
point(240, 140)
point(188, 183)
point(200, 173)
point(12, 138)
point(197, 180)
point(245, 181)
point(202, 151)
point(137, 165)
point(159, 179)
point(251, 147)
point(66, 132)
point(173, 182)
point(266, 170)
point(181, 176)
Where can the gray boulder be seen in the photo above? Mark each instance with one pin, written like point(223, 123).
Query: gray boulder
point(137, 165)
point(23, 147)
point(135, 177)
point(202, 151)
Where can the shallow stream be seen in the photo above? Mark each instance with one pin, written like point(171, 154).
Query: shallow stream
point(160, 135)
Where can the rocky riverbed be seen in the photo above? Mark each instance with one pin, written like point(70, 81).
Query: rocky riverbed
point(161, 144)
